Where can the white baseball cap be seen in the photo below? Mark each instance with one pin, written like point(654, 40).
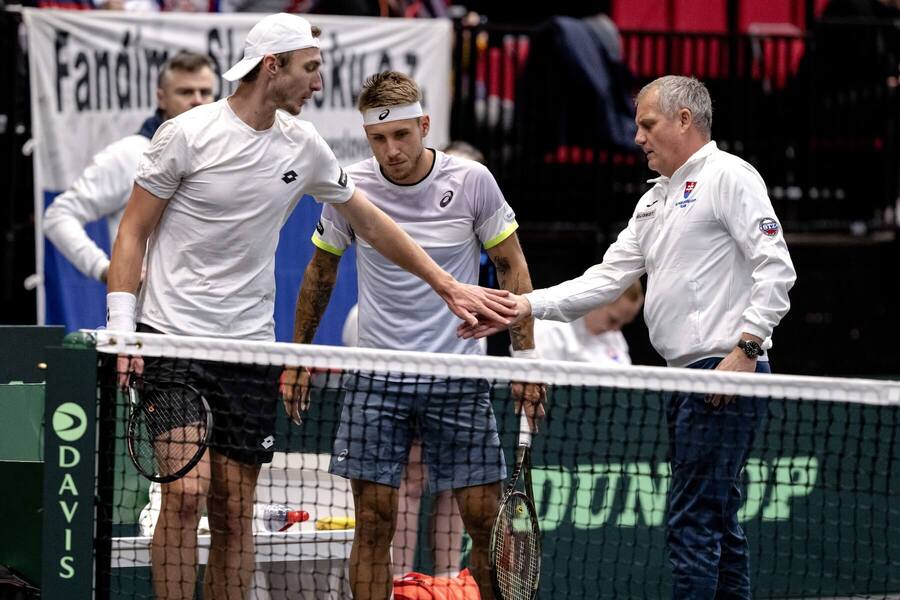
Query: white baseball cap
point(273, 34)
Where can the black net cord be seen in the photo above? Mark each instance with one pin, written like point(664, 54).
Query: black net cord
point(106, 459)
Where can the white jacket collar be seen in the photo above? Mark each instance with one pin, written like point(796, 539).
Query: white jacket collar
point(704, 151)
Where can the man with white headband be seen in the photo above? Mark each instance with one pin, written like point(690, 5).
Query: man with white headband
point(211, 195)
point(452, 207)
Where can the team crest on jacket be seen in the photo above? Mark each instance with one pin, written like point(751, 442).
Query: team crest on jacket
point(689, 187)
point(769, 227)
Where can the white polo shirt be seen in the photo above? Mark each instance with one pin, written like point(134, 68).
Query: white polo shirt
point(573, 342)
point(457, 209)
point(230, 188)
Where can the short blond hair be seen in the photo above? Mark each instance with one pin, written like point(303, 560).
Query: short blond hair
point(388, 88)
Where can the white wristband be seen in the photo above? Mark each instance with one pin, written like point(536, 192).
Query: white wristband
point(529, 353)
point(120, 311)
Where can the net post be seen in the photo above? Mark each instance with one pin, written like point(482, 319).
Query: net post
point(69, 437)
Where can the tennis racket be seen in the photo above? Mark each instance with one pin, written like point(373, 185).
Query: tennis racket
point(515, 552)
point(168, 429)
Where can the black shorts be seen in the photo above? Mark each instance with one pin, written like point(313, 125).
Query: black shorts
point(244, 400)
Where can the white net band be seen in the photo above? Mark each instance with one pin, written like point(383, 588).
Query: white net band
point(551, 372)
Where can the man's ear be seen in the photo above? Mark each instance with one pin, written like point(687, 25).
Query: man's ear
point(269, 64)
point(686, 118)
point(426, 125)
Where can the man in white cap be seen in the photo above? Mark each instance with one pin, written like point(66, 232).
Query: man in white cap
point(211, 195)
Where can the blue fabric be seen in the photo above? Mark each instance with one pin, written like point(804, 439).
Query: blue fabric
point(582, 95)
point(77, 302)
point(599, 103)
point(454, 417)
point(708, 448)
point(151, 124)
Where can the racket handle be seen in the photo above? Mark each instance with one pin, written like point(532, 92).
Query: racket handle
point(524, 430)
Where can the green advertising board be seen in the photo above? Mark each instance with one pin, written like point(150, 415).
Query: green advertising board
point(820, 488)
point(820, 497)
point(70, 445)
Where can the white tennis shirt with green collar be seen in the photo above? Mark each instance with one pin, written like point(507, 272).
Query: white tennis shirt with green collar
point(452, 213)
point(230, 188)
point(716, 261)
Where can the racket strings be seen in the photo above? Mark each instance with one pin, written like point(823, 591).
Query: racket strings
point(168, 427)
point(516, 551)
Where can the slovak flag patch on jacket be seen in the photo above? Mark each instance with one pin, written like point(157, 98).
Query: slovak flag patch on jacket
point(689, 187)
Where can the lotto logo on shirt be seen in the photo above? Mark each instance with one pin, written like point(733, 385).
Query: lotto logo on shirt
point(689, 187)
point(769, 227)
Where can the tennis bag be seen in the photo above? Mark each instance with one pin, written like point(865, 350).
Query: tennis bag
point(417, 586)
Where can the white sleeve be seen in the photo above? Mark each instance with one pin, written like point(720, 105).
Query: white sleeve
point(166, 161)
point(751, 222)
point(333, 233)
point(102, 190)
point(495, 220)
point(622, 264)
point(329, 182)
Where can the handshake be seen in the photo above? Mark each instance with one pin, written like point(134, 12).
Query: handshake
point(517, 309)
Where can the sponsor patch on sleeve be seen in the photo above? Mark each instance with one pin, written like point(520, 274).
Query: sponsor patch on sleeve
point(769, 227)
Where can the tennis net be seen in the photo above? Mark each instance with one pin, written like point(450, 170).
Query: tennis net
point(819, 490)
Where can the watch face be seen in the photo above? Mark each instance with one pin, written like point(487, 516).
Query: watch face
point(750, 348)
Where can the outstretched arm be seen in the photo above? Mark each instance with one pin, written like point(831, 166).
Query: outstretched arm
point(468, 302)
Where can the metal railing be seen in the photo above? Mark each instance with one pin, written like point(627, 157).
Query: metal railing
point(826, 143)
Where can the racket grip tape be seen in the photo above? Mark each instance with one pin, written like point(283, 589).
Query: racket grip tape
point(524, 430)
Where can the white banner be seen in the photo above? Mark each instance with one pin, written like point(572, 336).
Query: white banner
point(93, 80)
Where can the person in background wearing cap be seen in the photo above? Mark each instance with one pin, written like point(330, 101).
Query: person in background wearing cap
point(211, 195)
point(452, 207)
point(103, 189)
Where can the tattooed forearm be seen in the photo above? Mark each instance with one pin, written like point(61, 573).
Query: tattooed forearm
point(502, 265)
point(315, 292)
point(512, 274)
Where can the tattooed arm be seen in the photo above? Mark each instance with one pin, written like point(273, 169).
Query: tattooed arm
point(512, 273)
point(315, 292)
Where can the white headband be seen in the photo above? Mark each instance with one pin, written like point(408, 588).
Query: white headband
point(384, 114)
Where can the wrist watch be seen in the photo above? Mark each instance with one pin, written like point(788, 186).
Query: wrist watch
point(750, 348)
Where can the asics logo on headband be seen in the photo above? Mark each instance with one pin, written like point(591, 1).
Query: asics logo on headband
point(384, 114)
